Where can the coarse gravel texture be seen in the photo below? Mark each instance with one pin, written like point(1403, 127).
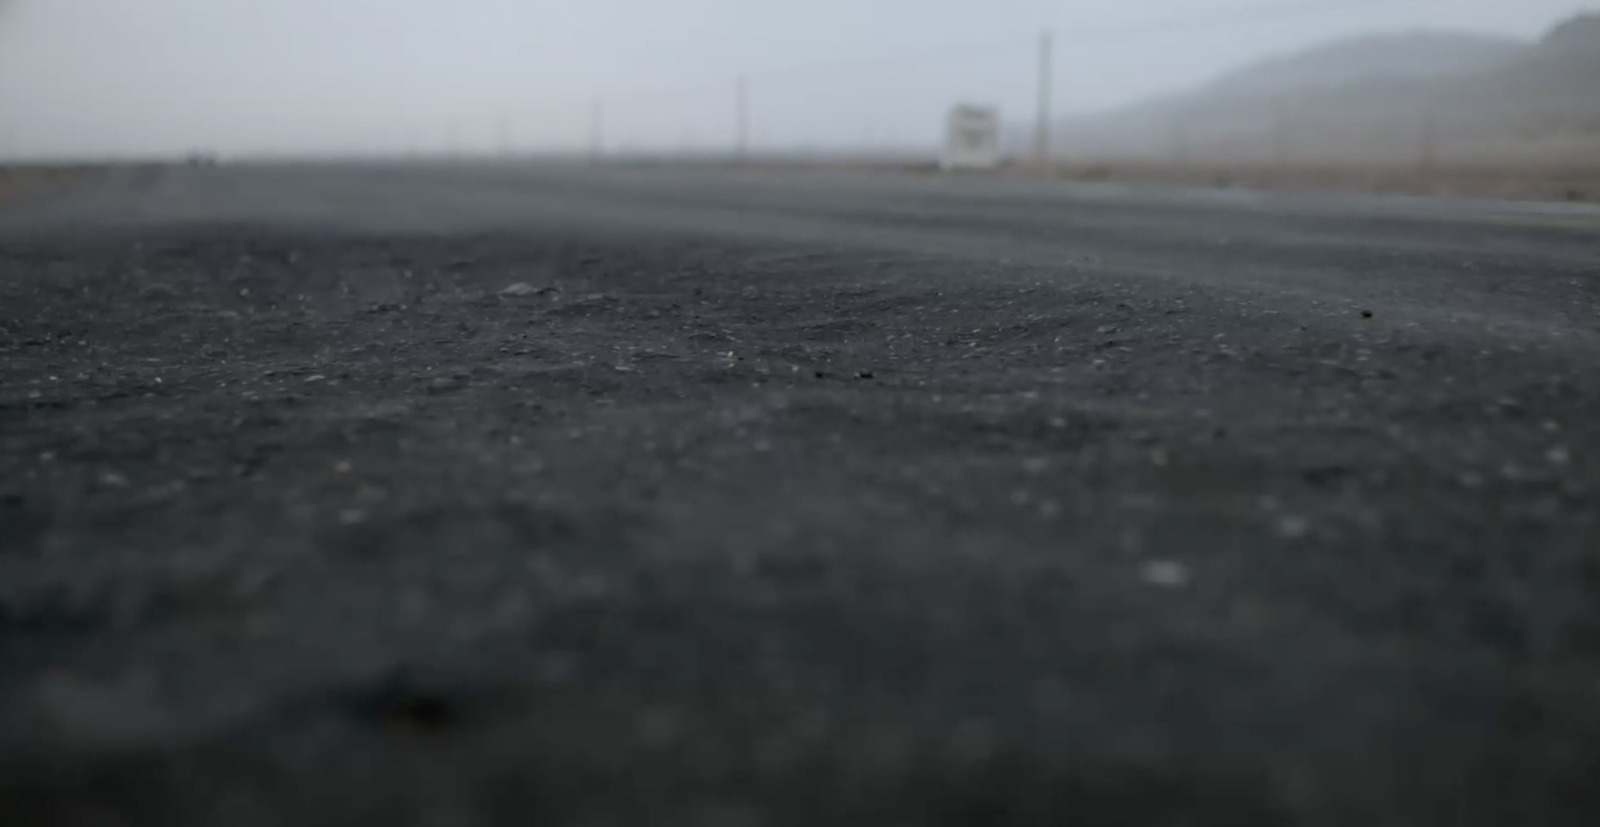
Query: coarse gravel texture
point(468, 496)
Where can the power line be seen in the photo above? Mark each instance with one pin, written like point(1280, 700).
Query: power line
point(1240, 14)
point(949, 54)
point(1009, 46)
point(988, 50)
point(1014, 45)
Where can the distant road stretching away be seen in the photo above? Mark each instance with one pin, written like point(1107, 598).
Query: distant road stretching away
point(508, 495)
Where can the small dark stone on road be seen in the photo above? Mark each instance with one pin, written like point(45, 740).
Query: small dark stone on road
point(425, 714)
point(401, 700)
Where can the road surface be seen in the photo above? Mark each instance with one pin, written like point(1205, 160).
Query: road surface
point(484, 494)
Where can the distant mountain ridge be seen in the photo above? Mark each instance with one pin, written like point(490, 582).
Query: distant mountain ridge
point(1391, 98)
point(1410, 55)
point(1582, 32)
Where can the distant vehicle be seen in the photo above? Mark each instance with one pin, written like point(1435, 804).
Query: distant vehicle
point(972, 138)
point(201, 159)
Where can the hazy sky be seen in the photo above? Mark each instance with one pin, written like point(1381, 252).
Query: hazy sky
point(98, 76)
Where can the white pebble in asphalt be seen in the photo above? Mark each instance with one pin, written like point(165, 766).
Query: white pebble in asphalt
point(1293, 527)
point(1166, 573)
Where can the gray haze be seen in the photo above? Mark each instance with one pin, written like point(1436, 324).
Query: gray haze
point(130, 77)
point(1413, 100)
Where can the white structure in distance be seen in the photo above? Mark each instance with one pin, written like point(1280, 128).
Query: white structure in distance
point(972, 138)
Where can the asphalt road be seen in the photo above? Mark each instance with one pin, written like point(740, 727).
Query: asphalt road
point(490, 495)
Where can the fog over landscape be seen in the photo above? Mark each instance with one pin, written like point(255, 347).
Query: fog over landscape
point(741, 413)
point(1422, 98)
point(114, 77)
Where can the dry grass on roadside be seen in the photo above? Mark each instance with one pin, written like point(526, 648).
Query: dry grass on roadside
point(31, 180)
point(1544, 183)
point(1576, 182)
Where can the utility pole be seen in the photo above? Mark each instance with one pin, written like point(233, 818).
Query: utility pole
point(597, 135)
point(1042, 131)
point(1428, 151)
point(742, 115)
point(1180, 139)
point(503, 129)
point(1280, 135)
